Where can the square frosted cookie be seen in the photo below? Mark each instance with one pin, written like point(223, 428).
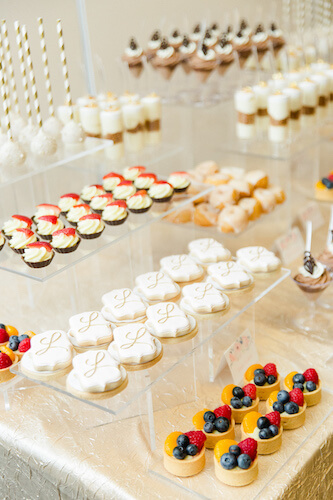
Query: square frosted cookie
point(156, 286)
point(229, 275)
point(167, 320)
point(203, 298)
point(122, 305)
point(208, 251)
point(89, 329)
point(258, 259)
point(181, 268)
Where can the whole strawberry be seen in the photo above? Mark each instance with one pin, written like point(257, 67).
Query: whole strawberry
point(311, 375)
point(270, 369)
point(3, 336)
point(296, 395)
point(24, 345)
point(249, 446)
point(5, 361)
point(250, 390)
point(223, 411)
point(196, 437)
point(274, 418)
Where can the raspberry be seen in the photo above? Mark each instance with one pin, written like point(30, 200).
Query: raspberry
point(274, 418)
point(223, 411)
point(250, 390)
point(270, 369)
point(24, 345)
point(296, 396)
point(249, 446)
point(196, 437)
point(311, 374)
point(5, 361)
point(3, 336)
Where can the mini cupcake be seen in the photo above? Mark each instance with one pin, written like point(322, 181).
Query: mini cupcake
point(16, 222)
point(45, 209)
point(98, 203)
point(65, 240)
point(243, 45)
point(133, 57)
point(88, 192)
point(111, 180)
point(260, 40)
point(196, 34)
point(2, 241)
point(203, 62)
point(67, 201)
point(38, 254)
point(210, 39)
point(145, 181)
point(78, 211)
point(224, 54)
point(186, 51)
point(139, 202)
point(124, 190)
point(115, 213)
point(90, 226)
point(166, 60)
point(21, 238)
point(131, 173)
point(176, 39)
point(153, 44)
point(180, 181)
point(47, 224)
point(161, 191)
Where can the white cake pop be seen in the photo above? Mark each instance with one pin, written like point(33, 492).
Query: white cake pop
point(17, 123)
point(3, 138)
point(11, 154)
point(43, 144)
point(27, 134)
point(72, 133)
point(52, 126)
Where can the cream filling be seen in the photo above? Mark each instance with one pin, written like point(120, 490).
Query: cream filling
point(90, 226)
point(138, 202)
point(64, 241)
point(110, 183)
point(99, 202)
point(46, 228)
point(39, 254)
point(179, 182)
point(114, 212)
point(160, 191)
point(19, 240)
point(88, 192)
point(11, 225)
point(75, 214)
point(124, 192)
point(65, 204)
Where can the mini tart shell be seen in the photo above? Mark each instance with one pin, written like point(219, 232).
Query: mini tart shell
point(239, 477)
point(17, 352)
point(6, 374)
point(181, 190)
point(68, 249)
point(18, 250)
point(238, 415)
point(266, 446)
point(162, 200)
point(291, 421)
point(97, 395)
point(139, 210)
point(264, 391)
point(115, 222)
point(185, 468)
point(3, 244)
point(212, 439)
point(38, 265)
point(311, 398)
point(90, 236)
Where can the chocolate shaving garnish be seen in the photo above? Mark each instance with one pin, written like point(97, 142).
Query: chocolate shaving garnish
point(156, 35)
point(197, 29)
point(273, 27)
point(240, 34)
point(164, 44)
point(259, 29)
point(214, 26)
point(331, 235)
point(204, 49)
point(309, 262)
point(229, 29)
point(243, 24)
point(223, 42)
point(208, 34)
point(175, 34)
point(133, 45)
point(186, 41)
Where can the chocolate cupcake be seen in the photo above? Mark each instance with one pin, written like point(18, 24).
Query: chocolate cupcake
point(90, 226)
point(115, 213)
point(65, 240)
point(21, 238)
point(38, 254)
point(139, 202)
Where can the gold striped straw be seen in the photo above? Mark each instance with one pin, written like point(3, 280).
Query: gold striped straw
point(5, 103)
point(31, 76)
point(46, 66)
point(3, 62)
point(9, 61)
point(64, 68)
point(23, 71)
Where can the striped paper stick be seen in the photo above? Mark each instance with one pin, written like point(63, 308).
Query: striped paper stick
point(23, 71)
point(46, 66)
point(31, 75)
point(3, 62)
point(10, 65)
point(5, 103)
point(64, 68)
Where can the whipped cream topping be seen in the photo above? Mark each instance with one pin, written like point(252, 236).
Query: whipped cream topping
point(241, 40)
point(46, 228)
point(47, 210)
point(318, 271)
point(260, 37)
point(144, 181)
point(100, 202)
point(225, 50)
point(68, 202)
point(114, 212)
point(123, 192)
point(188, 49)
point(63, 240)
point(209, 55)
point(109, 183)
point(139, 201)
point(37, 254)
point(88, 192)
point(131, 173)
point(179, 180)
point(20, 239)
point(78, 211)
point(154, 44)
point(160, 190)
point(133, 52)
point(12, 224)
point(165, 53)
point(90, 226)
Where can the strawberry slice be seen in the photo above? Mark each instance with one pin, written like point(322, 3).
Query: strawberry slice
point(81, 205)
point(118, 203)
point(139, 168)
point(180, 173)
point(142, 192)
point(146, 175)
point(105, 195)
point(97, 186)
point(68, 231)
point(40, 244)
point(71, 195)
point(25, 231)
point(125, 183)
point(163, 182)
point(49, 218)
point(91, 216)
point(23, 218)
point(113, 174)
point(48, 205)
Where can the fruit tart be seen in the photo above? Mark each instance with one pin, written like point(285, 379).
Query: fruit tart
point(308, 382)
point(184, 454)
point(216, 425)
point(236, 464)
point(20, 344)
point(7, 359)
point(242, 400)
point(265, 378)
point(290, 405)
point(265, 429)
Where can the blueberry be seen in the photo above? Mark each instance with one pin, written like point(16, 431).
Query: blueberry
point(327, 183)
point(183, 441)
point(263, 422)
point(209, 416)
point(238, 392)
point(298, 386)
point(244, 461)
point(265, 433)
point(22, 337)
point(228, 461)
point(259, 370)
point(191, 449)
point(221, 424)
point(2, 326)
point(235, 450)
point(299, 378)
point(14, 337)
point(271, 379)
point(260, 379)
point(311, 386)
point(236, 403)
point(277, 406)
point(283, 397)
point(179, 453)
point(209, 427)
point(247, 401)
point(291, 408)
point(274, 429)
point(13, 345)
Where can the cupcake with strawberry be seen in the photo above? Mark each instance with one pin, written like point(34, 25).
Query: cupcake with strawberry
point(124, 190)
point(236, 464)
point(76, 212)
point(290, 405)
point(65, 240)
point(38, 254)
point(115, 213)
point(265, 378)
point(139, 202)
point(111, 180)
point(21, 238)
point(131, 173)
point(98, 203)
point(265, 429)
point(47, 225)
point(216, 425)
point(180, 181)
point(67, 201)
point(7, 359)
point(308, 382)
point(184, 454)
point(16, 222)
point(241, 399)
point(90, 226)
point(45, 209)
point(88, 192)
point(145, 181)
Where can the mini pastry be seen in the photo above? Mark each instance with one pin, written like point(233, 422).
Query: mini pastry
point(88, 192)
point(203, 298)
point(208, 251)
point(266, 198)
point(161, 191)
point(309, 93)
point(324, 188)
point(139, 202)
point(205, 215)
point(262, 92)
point(180, 181)
point(43, 145)
point(236, 464)
point(223, 196)
point(46, 209)
point(123, 306)
point(175, 40)
point(156, 287)
point(145, 181)
point(224, 54)
point(308, 382)
point(113, 130)
point(243, 188)
point(258, 259)
point(186, 51)
point(111, 180)
point(278, 111)
point(233, 172)
point(265, 429)
point(207, 168)
point(95, 375)
point(90, 119)
point(124, 190)
point(72, 134)
point(133, 57)
point(278, 194)
point(313, 276)
point(89, 329)
point(38, 254)
point(90, 226)
point(134, 123)
point(47, 225)
point(153, 44)
point(210, 39)
point(290, 405)
point(203, 62)
point(134, 346)
point(322, 82)
point(181, 268)
point(243, 45)
point(229, 275)
point(251, 206)
point(16, 222)
point(216, 425)
point(50, 355)
point(65, 240)
point(166, 60)
point(277, 38)
point(21, 238)
point(295, 100)
point(68, 201)
point(184, 454)
point(260, 40)
point(196, 35)
point(7, 359)
point(99, 202)
point(2, 241)
point(167, 320)
point(131, 173)
point(246, 107)
point(217, 179)
point(257, 178)
point(242, 400)
point(265, 378)
point(75, 213)
point(115, 213)
point(233, 219)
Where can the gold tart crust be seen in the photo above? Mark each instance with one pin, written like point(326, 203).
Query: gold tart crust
point(263, 392)
point(311, 398)
point(266, 446)
point(185, 468)
point(291, 421)
point(236, 477)
point(212, 438)
point(238, 415)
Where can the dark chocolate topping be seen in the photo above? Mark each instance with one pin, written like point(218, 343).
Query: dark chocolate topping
point(259, 29)
point(164, 44)
point(273, 27)
point(309, 262)
point(133, 45)
point(331, 235)
point(156, 35)
point(229, 29)
point(197, 29)
point(175, 34)
point(240, 34)
point(208, 34)
point(186, 41)
point(223, 42)
point(204, 49)
point(214, 26)
point(243, 24)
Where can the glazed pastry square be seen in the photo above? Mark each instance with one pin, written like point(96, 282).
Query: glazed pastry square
point(203, 298)
point(156, 286)
point(181, 268)
point(229, 275)
point(50, 351)
point(168, 320)
point(208, 250)
point(123, 304)
point(96, 371)
point(90, 329)
point(134, 344)
point(258, 259)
